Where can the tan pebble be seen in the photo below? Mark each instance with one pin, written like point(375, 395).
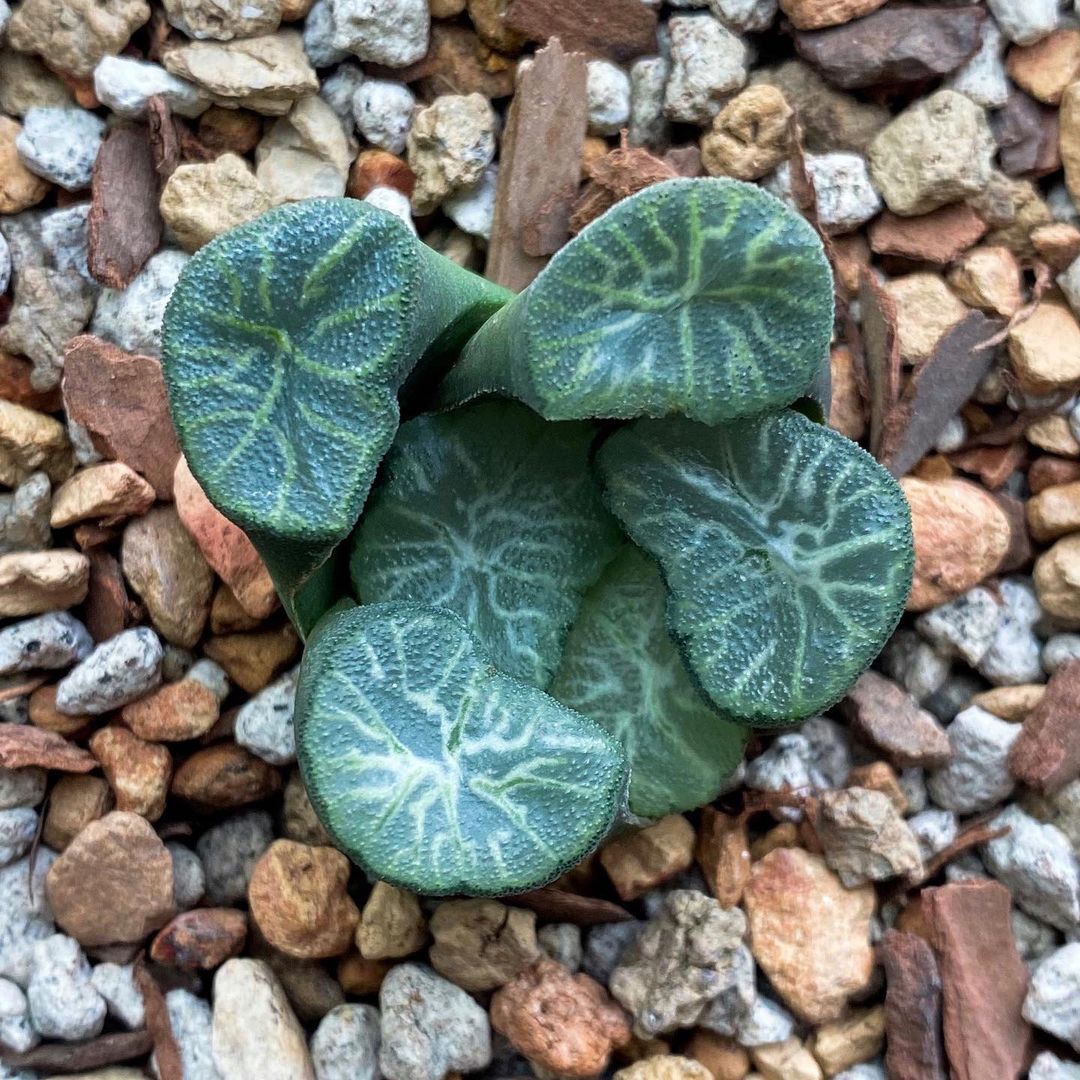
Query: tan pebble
point(988, 278)
point(45, 715)
point(225, 776)
point(1057, 244)
point(787, 1060)
point(230, 130)
point(110, 491)
point(391, 924)
point(816, 14)
point(227, 616)
point(298, 818)
point(74, 802)
point(32, 442)
point(481, 944)
point(138, 772)
point(1045, 68)
point(253, 660)
point(1010, 702)
point(722, 1056)
point(665, 1067)
point(173, 713)
point(1045, 350)
point(19, 187)
point(33, 582)
point(843, 1043)
point(1054, 511)
point(750, 136)
point(925, 308)
point(1057, 580)
point(879, 776)
point(723, 853)
point(642, 860)
point(360, 977)
point(784, 835)
point(1053, 434)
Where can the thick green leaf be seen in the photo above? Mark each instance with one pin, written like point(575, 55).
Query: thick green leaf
point(434, 772)
point(284, 345)
point(787, 552)
point(493, 513)
point(621, 669)
point(708, 298)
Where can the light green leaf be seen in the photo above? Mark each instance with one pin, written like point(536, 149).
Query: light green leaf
point(493, 513)
point(708, 298)
point(787, 552)
point(284, 345)
point(621, 669)
point(435, 773)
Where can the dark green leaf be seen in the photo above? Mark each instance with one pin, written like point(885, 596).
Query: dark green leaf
point(787, 552)
point(434, 772)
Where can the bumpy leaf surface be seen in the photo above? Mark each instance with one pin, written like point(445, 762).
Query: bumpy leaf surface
point(787, 552)
point(708, 298)
point(621, 669)
point(434, 772)
point(493, 513)
point(284, 345)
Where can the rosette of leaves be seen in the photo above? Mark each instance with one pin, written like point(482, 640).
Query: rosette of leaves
point(492, 513)
point(620, 667)
point(706, 298)
point(437, 773)
point(284, 345)
point(787, 552)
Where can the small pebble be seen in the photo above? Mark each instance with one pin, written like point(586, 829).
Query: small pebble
point(21, 787)
point(265, 723)
point(708, 63)
point(473, 209)
point(1025, 21)
point(18, 827)
point(116, 984)
point(120, 670)
point(189, 878)
point(60, 144)
point(845, 194)
point(189, 1018)
point(977, 778)
point(46, 642)
point(1053, 998)
point(1060, 649)
point(345, 1045)
point(229, 851)
point(16, 1031)
point(608, 90)
point(63, 1001)
point(983, 78)
point(389, 32)
point(126, 85)
point(131, 318)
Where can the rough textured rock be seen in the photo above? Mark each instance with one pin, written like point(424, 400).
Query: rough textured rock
point(33, 582)
point(864, 836)
point(962, 536)
point(888, 717)
point(639, 861)
point(983, 978)
point(1057, 579)
point(481, 944)
point(304, 155)
point(977, 777)
point(114, 882)
point(138, 772)
point(178, 711)
point(63, 1002)
point(708, 62)
point(665, 1067)
point(264, 725)
point(1045, 350)
point(31, 442)
point(936, 152)
point(200, 939)
point(265, 74)
point(429, 1026)
point(24, 516)
point(810, 935)
point(690, 955)
point(119, 670)
point(750, 136)
point(224, 776)
point(223, 21)
point(298, 898)
point(345, 1045)
point(229, 851)
point(620, 29)
point(255, 1034)
point(73, 35)
point(912, 1008)
point(1046, 756)
point(19, 187)
point(563, 1022)
point(391, 924)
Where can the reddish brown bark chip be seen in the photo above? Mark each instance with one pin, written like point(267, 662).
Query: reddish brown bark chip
point(984, 981)
point(912, 1009)
point(201, 939)
point(120, 399)
point(620, 29)
point(541, 152)
point(620, 173)
point(125, 225)
point(170, 1065)
point(558, 905)
point(108, 608)
point(887, 716)
point(1047, 754)
point(79, 1057)
point(881, 345)
point(22, 745)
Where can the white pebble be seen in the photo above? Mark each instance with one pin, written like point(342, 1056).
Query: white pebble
point(1025, 21)
point(648, 122)
point(126, 85)
point(16, 1031)
point(123, 999)
point(977, 777)
point(608, 92)
point(393, 202)
point(264, 725)
point(189, 878)
point(383, 111)
point(18, 827)
point(1060, 649)
point(21, 787)
point(983, 78)
point(118, 671)
point(345, 1045)
point(339, 89)
point(61, 144)
point(708, 62)
point(964, 627)
point(51, 641)
point(390, 32)
point(63, 1001)
point(472, 209)
point(131, 318)
point(846, 197)
point(1053, 999)
point(745, 16)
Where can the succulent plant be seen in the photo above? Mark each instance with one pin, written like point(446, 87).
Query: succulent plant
point(576, 595)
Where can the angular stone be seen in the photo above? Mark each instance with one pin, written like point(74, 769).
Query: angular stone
point(665, 1067)
point(810, 935)
point(642, 860)
point(912, 1008)
point(926, 308)
point(256, 1035)
point(298, 898)
point(888, 717)
point(1046, 67)
point(977, 777)
point(620, 29)
point(114, 882)
point(937, 237)
point(223, 21)
point(391, 924)
point(225, 776)
point(989, 278)
point(938, 151)
point(32, 442)
point(1054, 511)
point(201, 939)
point(894, 45)
point(723, 853)
point(815, 14)
point(110, 492)
point(253, 660)
point(176, 712)
point(1057, 579)
point(962, 536)
point(304, 155)
point(138, 772)
point(119, 670)
point(1045, 350)
point(563, 1022)
point(33, 582)
point(265, 74)
point(708, 63)
point(983, 978)
point(1046, 756)
point(482, 944)
point(163, 564)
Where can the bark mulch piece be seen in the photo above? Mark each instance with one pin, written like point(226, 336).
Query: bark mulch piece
point(619, 29)
point(557, 905)
point(85, 1056)
point(1046, 756)
point(912, 1009)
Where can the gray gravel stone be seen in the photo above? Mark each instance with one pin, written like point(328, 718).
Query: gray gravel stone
point(429, 1026)
point(189, 1017)
point(25, 917)
point(846, 197)
point(1025, 21)
point(648, 122)
point(913, 785)
point(1048, 1067)
point(562, 942)
point(123, 999)
point(748, 16)
point(472, 209)
point(915, 664)
point(52, 641)
point(21, 787)
point(605, 946)
point(1053, 998)
point(338, 90)
point(1060, 649)
point(768, 1022)
point(189, 878)
point(229, 851)
point(1036, 863)
point(608, 93)
point(934, 830)
point(5, 265)
point(983, 78)
point(318, 36)
point(126, 85)
point(120, 670)
point(18, 827)
point(223, 20)
point(830, 761)
point(389, 32)
point(61, 144)
point(977, 778)
point(264, 725)
point(63, 1002)
point(131, 318)
point(345, 1045)
point(964, 627)
point(708, 63)
point(16, 1031)
point(1034, 939)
